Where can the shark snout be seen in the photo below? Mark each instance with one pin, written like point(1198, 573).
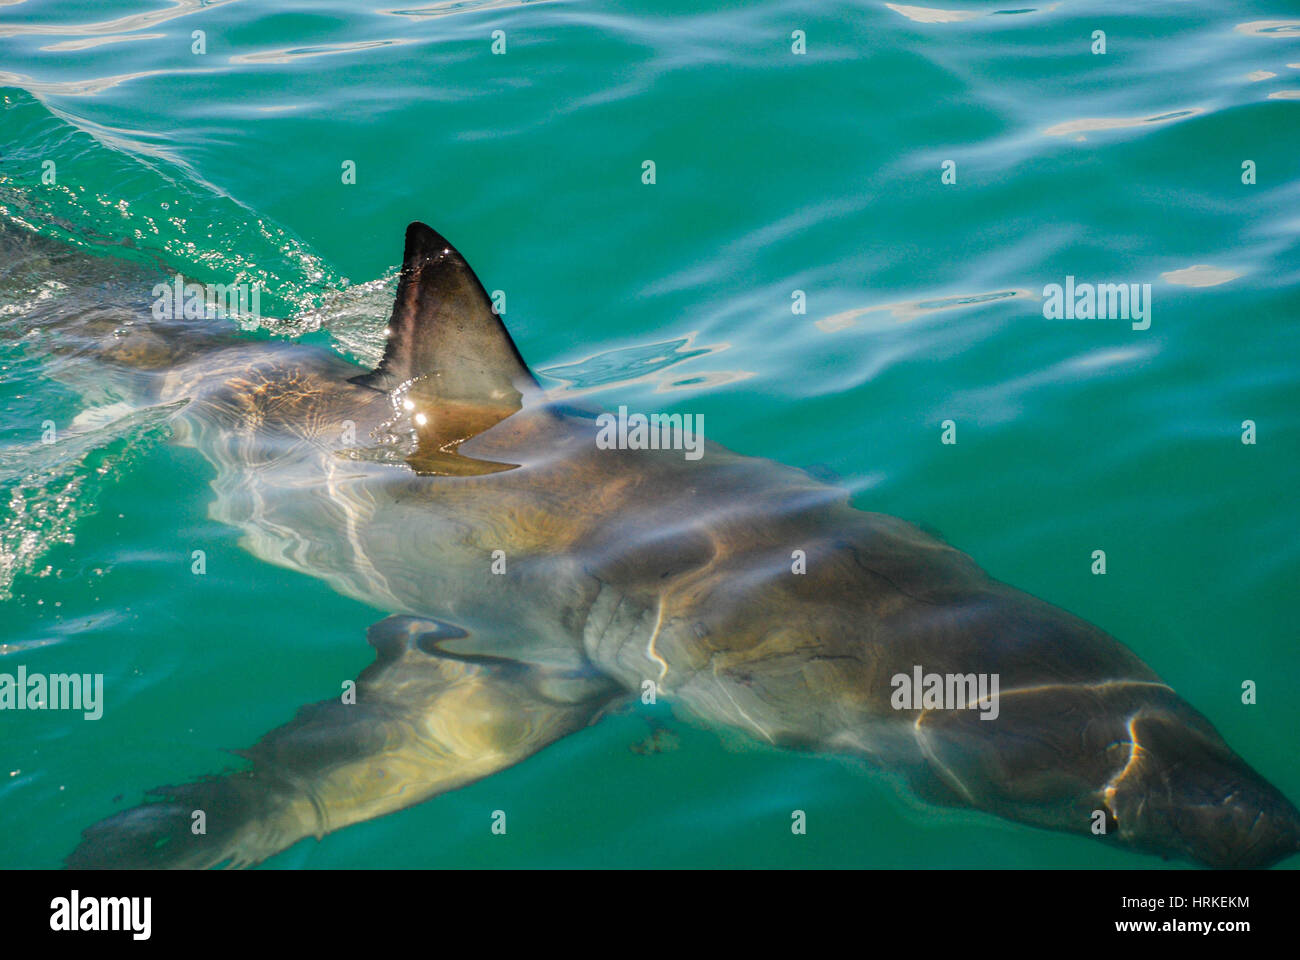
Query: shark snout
point(1183, 793)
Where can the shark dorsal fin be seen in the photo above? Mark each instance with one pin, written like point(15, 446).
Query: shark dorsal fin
point(459, 372)
point(443, 333)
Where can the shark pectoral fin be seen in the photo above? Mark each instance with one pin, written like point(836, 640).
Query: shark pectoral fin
point(421, 724)
point(559, 677)
point(393, 636)
point(494, 646)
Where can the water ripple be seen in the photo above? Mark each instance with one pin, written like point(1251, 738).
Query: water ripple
point(136, 21)
point(290, 54)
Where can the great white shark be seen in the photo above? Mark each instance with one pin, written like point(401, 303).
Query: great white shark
point(536, 579)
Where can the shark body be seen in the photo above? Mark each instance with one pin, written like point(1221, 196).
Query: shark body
point(625, 570)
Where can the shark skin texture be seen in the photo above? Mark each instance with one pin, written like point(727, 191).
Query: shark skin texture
point(623, 568)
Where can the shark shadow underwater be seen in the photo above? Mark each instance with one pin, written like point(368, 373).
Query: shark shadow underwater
point(622, 567)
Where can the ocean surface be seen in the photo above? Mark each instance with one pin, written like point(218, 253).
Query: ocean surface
point(775, 171)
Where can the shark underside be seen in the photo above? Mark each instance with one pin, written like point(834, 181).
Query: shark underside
point(536, 580)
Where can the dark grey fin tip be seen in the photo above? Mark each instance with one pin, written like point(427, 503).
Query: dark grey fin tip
point(426, 243)
point(435, 278)
point(418, 249)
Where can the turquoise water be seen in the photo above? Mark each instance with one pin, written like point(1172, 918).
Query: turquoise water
point(775, 172)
